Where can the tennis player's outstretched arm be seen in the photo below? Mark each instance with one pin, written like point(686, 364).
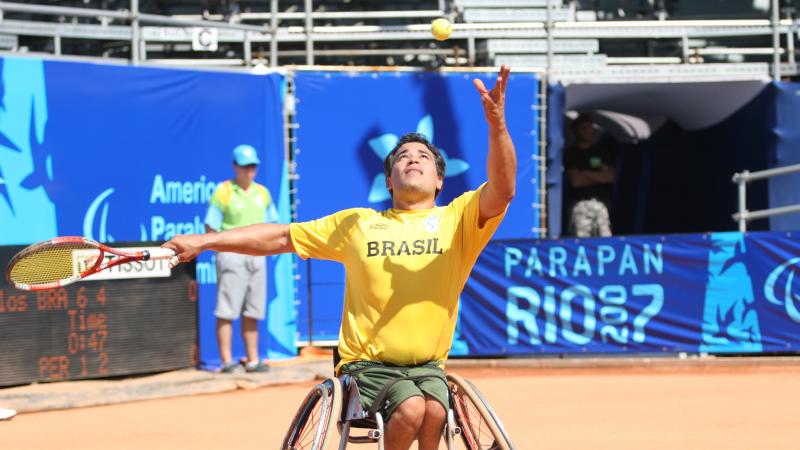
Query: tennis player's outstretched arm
point(259, 239)
point(501, 163)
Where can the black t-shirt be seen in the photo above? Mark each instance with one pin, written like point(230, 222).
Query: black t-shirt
point(589, 159)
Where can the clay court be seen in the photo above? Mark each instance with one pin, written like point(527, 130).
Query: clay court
point(664, 406)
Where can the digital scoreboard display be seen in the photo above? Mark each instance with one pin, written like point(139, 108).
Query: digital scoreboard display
point(142, 318)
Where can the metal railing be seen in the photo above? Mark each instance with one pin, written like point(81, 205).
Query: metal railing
point(742, 178)
point(167, 31)
point(135, 17)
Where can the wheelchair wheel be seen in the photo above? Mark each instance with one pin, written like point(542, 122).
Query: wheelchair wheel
point(315, 418)
point(481, 429)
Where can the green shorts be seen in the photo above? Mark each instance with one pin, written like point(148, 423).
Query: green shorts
point(371, 377)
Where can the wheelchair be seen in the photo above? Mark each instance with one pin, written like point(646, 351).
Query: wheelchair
point(334, 404)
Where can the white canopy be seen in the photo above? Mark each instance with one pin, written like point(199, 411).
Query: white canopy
point(631, 112)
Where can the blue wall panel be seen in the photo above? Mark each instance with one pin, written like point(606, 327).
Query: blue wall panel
point(122, 153)
point(785, 127)
point(348, 122)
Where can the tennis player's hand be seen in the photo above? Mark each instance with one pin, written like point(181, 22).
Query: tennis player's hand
point(185, 246)
point(494, 101)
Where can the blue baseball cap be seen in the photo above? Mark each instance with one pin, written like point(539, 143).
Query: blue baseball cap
point(245, 155)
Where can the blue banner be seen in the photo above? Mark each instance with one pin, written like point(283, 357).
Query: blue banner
point(348, 123)
point(119, 153)
point(715, 293)
point(785, 143)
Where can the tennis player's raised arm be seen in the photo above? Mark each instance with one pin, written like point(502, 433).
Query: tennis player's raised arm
point(501, 163)
point(259, 239)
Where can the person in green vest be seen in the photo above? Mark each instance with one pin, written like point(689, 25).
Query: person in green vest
point(241, 279)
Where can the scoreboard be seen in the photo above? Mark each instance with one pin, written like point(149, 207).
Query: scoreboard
point(103, 328)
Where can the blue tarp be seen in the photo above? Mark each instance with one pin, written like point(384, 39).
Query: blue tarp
point(348, 122)
point(785, 126)
point(117, 153)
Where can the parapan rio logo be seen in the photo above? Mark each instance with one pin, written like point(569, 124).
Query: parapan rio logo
point(783, 297)
point(384, 144)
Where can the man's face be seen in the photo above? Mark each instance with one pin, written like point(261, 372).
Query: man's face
point(245, 174)
point(584, 131)
point(414, 171)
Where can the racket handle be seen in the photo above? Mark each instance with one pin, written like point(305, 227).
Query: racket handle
point(165, 253)
point(161, 253)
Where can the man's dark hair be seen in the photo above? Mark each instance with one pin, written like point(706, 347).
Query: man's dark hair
point(391, 158)
point(582, 117)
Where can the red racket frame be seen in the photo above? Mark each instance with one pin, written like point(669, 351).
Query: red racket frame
point(100, 264)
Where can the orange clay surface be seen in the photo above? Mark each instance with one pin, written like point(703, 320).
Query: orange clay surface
point(753, 408)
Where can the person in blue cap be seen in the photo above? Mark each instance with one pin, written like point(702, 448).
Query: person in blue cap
point(241, 279)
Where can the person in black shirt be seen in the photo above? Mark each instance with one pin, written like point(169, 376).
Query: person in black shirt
point(590, 174)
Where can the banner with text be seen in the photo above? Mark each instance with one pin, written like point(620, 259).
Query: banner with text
point(117, 153)
point(715, 293)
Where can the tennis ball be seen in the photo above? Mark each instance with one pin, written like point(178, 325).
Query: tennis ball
point(441, 29)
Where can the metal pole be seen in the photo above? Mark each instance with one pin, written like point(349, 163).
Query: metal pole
point(135, 31)
point(543, 111)
point(310, 315)
point(471, 50)
point(790, 46)
point(685, 48)
point(248, 50)
point(768, 173)
point(309, 39)
point(776, 42)
point(178, 22)
point(273, 24)
point(64, 11)
point(549, 38)
point(57, 44)
point(769, 212)
point(291, 152)
point(743, 203)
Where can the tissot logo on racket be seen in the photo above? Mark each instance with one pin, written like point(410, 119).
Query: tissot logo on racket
point(64, 260)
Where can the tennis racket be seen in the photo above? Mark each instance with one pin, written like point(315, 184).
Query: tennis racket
point(64, 260)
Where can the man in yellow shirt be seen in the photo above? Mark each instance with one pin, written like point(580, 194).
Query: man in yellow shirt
point(405, 267)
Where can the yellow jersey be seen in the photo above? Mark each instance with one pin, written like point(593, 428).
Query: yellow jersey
point(404, 273)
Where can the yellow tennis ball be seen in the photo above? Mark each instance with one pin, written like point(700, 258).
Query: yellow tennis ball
point(441, 29)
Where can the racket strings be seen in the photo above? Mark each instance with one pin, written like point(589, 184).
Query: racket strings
point(53, 262)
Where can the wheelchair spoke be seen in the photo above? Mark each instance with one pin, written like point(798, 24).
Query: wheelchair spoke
point(307, 432)
point(315, 417)
point(479, 427)
point(474, 428)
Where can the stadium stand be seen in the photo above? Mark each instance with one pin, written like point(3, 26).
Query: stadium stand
point(572, 36)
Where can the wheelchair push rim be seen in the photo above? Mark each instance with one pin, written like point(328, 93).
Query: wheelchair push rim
point(315, 418)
